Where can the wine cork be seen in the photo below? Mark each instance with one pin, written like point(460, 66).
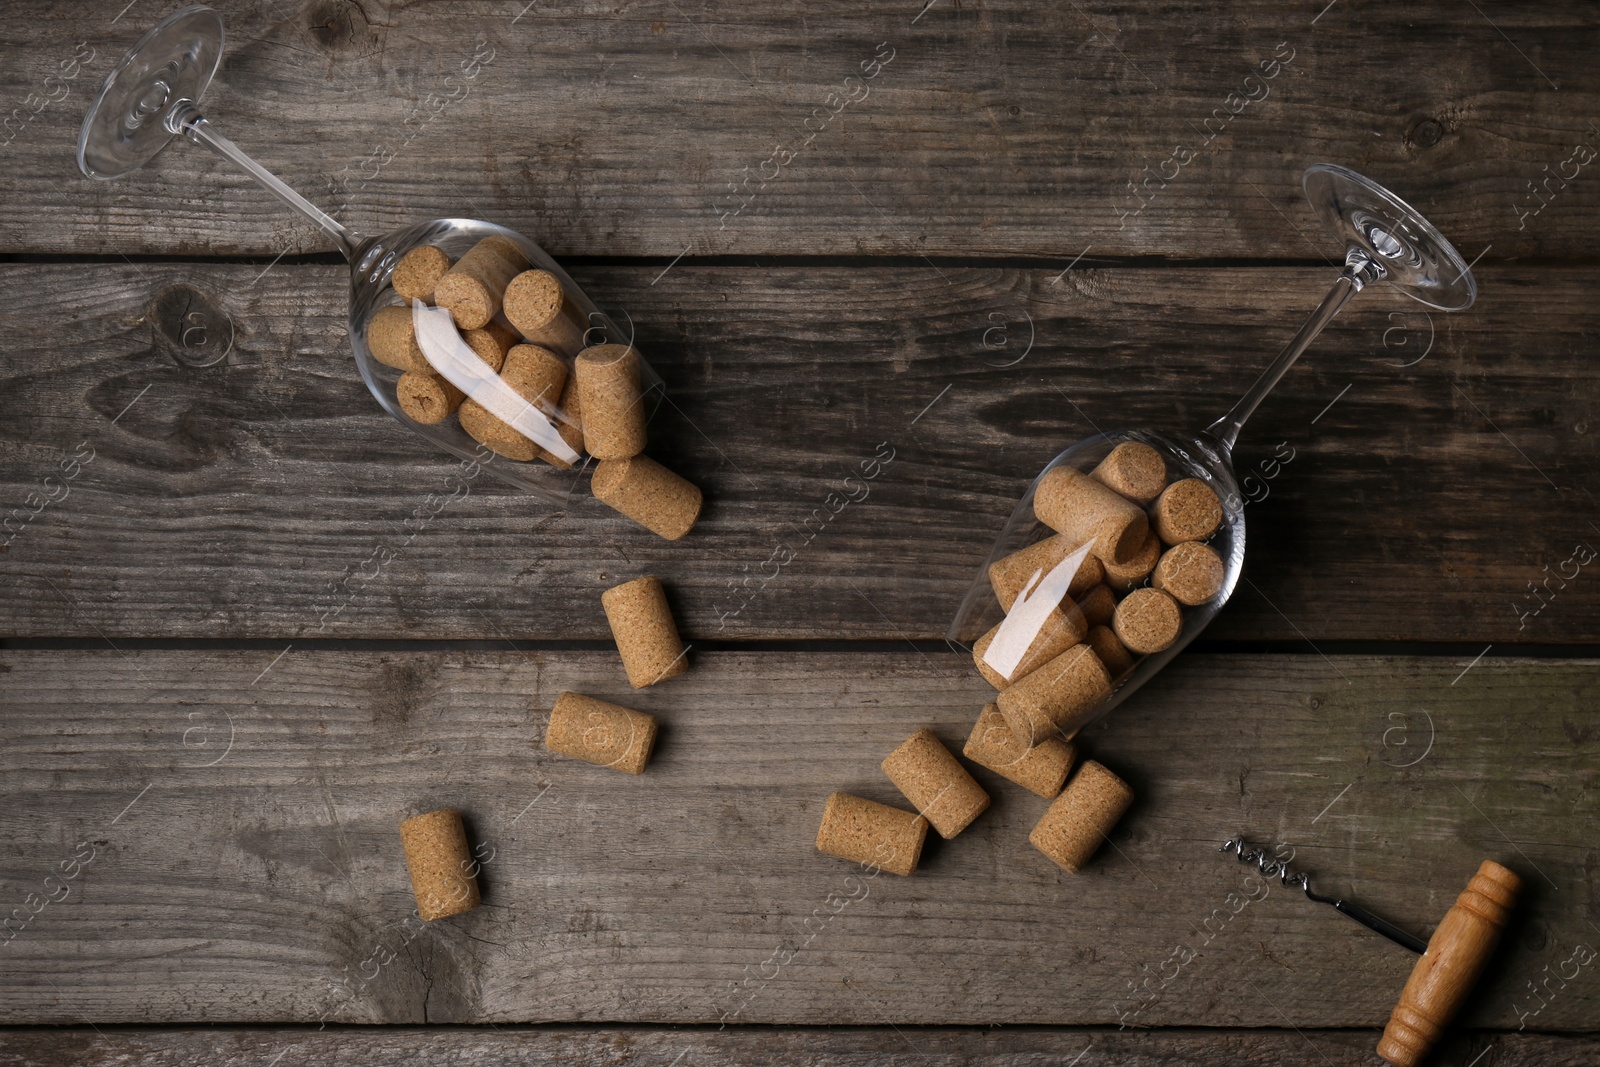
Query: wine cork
point(1008, 574)
point(601, 733)
point(539, 308)
point(427, 398)
point(491, 343)
point(1135, 470)
point(1122, 577)
point(1058, 697)
point(472, 289)
point(646, 492)
point(936, 784)
point(1113, 656)
point(1098, 605)
point(418, 271)
point(569, 424)
point(854, 828)
point(613, 406)
point(1081, 817)
point(646, 636)
point(1148, 621)
point(1040, 768)
point(1072, 503)
point(1062, 629)
point(537, 375)
point(1187, 511)
point(443, 875)
point(392, 340)
point(1191, 572)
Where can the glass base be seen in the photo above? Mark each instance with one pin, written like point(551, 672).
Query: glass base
point(1415, 257)
point(175, 61)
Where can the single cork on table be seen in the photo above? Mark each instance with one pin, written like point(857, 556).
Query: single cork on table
point(1040, 768)
point(1191, 572)
point(871, 834)
point(1009, 574)
point(646, 492)
point(472, 289)
point(1057, 698)
point(1186, 511)
point(601, 733)
point(1081, 817)
point(646, 635)
point(1072, 503)
point(936, 784)
point(537, 375)
point(392, 340)
point(613, 403)
point(538, 307)
point(1122, 577)
point(1098, 605)
point(1135, 470)
point(1148, 621)
point(418, 271)
point(1063, 628)
point(1113, 654)
point(443, 875)
point(427, 398)
point(491, 343)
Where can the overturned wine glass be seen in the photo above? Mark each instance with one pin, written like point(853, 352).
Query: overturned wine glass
point(447, 372)
point(1129, 543)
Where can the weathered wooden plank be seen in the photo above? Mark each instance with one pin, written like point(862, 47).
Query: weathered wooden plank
point(619, 1047)
point(1420, 503)
point(1128, 129)
point(241, 815)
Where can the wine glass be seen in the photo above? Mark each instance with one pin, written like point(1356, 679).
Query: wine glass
point(1385, 240)
point(152, 96)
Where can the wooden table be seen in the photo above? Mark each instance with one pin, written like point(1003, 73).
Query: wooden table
point(231, 666)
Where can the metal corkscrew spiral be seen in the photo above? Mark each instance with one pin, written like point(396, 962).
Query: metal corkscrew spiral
point(1275, 868)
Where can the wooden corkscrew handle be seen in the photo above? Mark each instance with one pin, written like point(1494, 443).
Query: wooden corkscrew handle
point(1457, 953)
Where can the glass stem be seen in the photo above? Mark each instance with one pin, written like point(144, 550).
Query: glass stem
point(185, 118)
point(1359, 272)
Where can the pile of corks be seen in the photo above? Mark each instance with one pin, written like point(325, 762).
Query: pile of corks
point(524, 326)
point(1147, 562)
point(443, 873)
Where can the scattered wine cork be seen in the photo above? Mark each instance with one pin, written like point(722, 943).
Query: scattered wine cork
point(1122, 577)
point(1072, 503)
point(1081, 817)
point(1135, 470)
point(1187, 511)
point(418, 271)
point(538, 307)
point(1062, 629)
point(936, 784)
point(491, 343)
point(1191, 572)
point(646, 492)
point(613, 406)
point(646, 636)
point(427, 398)
point(1041, 768)
point(1098, 605)
point(597, 732)
point(472, 289)
point(1148, 621)
point(537, 375)
point(1113, 656)
point(1009, 574)
point(569, 424)
point(443, 875)
point(872, 834)
point(1058, 697)
point(392, 340)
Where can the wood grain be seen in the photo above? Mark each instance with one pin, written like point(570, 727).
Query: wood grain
point(237, 884)
point(626, 1046)
point(1014, 129)
point(261, 497)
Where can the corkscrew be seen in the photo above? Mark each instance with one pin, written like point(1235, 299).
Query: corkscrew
point(1450, 962)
